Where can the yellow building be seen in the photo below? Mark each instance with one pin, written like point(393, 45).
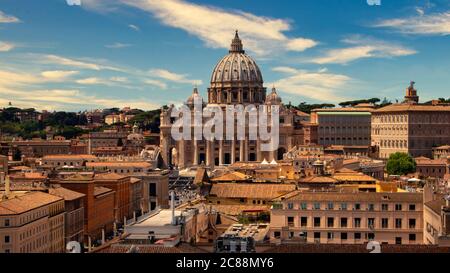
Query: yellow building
point(31, 222)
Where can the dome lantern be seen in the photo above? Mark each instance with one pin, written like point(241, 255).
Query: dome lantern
point(236, 45)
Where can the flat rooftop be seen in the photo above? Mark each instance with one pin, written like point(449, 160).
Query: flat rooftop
point(161, 218)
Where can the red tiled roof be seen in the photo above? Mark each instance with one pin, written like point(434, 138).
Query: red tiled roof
point(26, 202)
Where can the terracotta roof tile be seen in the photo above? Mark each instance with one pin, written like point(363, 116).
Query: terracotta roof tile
point(260, 191)
point(27, 202)
point(67, 194)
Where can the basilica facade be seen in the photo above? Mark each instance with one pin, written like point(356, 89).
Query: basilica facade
point(235, 80)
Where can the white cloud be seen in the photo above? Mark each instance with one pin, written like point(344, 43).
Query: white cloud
point(5, 18)
point(285, 69)
point(215, 26)
point(91, 81)
point(319, 86)
point(58, 75)
point(156, 83)
point(134, 27)
point(112, 81)
point(174, 77)
point(119, 79)
point(117, 45)
point(431, 24)
point(12, 78)
point(363, 48)
point(54, 59)
point(58, 99)
point(5, 46)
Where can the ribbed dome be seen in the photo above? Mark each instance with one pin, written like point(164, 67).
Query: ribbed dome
point(237, 68)
point(273, 98)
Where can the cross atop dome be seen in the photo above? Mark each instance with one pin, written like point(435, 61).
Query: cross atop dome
point(236, 44)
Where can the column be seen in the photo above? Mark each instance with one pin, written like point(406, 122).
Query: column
point(195, 152)
point(208, 153)
point(246, 149)
point(258, 150)
point(233, 151)
point(241, 151)
point(220, 152)
point(213, 152)
point(181, 154)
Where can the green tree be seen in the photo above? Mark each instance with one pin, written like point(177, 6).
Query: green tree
point(307, 108)
point(400, 164)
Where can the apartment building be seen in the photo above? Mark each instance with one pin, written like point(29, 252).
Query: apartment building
point(61, 160)
point(74, 213)
point(31, 222)
point(348, 126)
point(348, 218)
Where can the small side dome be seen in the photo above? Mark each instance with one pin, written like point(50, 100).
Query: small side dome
point(273, 98)
point(195, 96)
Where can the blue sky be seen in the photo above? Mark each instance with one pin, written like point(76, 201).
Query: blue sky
point(146, 53)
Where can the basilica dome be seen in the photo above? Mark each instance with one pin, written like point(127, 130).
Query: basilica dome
point(236, 68)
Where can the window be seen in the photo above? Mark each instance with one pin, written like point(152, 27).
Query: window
point(384, 207)
point(7, 223)
point(330, 206)
point(290, 221)
point(412, 237)
point(316, 221)
point(344, 236)
point(412, 207)
point(304, 206)
point(412, 223)
point(371, 207)
point(330, 222)
point(7, 239)
point(357, 206)
point(371, 236)
point(344, 206)
point(317, 206)
point(290, 206)
point(398, 240)
point(277, 234)
point(384, 223)
point(343, 222)
point(398, 206)
point(357, 236)
point(371, 223)
point(317, 236)
point(398, 223)
point(357, 222)
point(304, 221)
point(330, 236)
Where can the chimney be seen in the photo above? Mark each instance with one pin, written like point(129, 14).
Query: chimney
point(172, 206)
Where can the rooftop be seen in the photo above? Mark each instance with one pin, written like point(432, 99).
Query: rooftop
point(352, 197)
point(109, 176)
point(66, 194)
point(233, 176)
point(101, 190)
point(257, 191)
point(69, 156)
point(138, 164)
point(402, 107)
point(26, 202)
